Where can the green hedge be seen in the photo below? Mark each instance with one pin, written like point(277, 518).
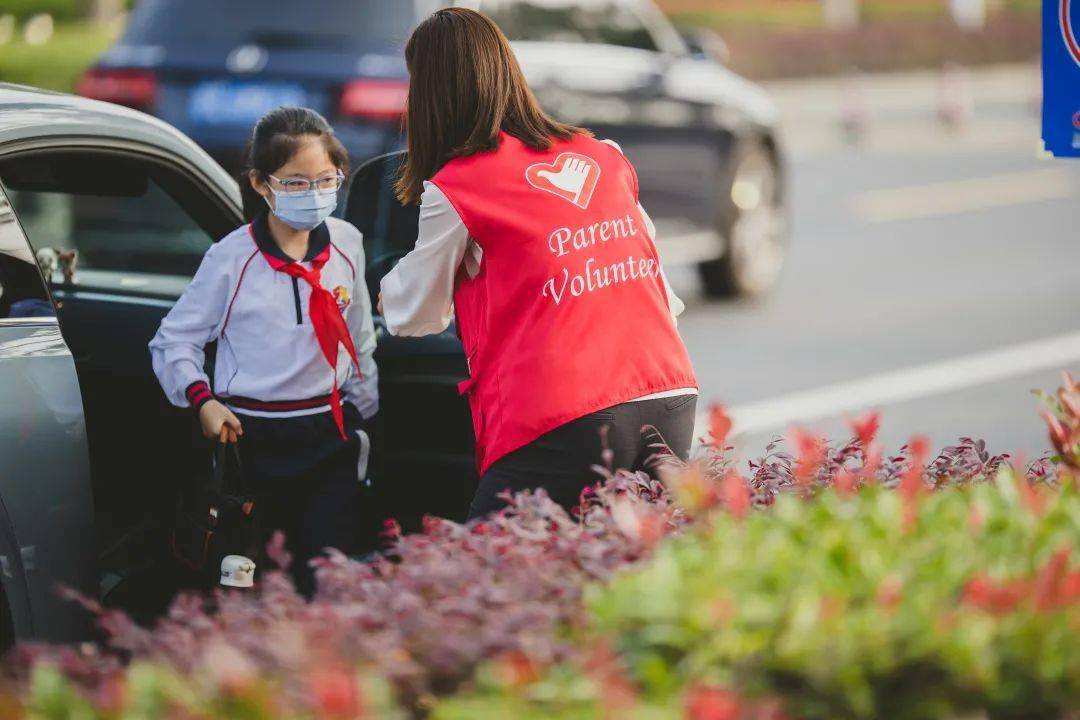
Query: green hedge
point(57, 64)
point(868, 606)
point(61, 10)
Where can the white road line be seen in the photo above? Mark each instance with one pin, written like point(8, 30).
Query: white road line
point(900, 385)
point(957, 196)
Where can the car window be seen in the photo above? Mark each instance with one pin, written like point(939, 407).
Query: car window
point(595, 21)
point(389, 228)
point(22, 291)
point(111, 222)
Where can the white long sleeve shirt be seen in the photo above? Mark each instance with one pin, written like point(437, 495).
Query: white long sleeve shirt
point(267, 349)
point(418, 293)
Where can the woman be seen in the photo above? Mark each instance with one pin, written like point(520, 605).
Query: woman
point(285, 297)
point(531, 230)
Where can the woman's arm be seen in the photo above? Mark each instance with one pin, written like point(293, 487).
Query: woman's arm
point(418, 294)
point(675, 304)
point(177, 350)
point(363, 390)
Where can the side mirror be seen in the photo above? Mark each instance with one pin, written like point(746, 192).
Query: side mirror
point(389, 228)
point(705, 44)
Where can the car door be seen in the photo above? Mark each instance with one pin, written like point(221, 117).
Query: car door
point(139, 221)
point(426, 430)
point(46, 507)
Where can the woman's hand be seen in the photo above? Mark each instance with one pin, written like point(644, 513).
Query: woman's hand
point(378, 306)
point(219, 422)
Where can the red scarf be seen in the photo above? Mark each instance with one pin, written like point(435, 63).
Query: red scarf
point(329, 325)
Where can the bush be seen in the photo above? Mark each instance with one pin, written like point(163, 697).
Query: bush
point(852, 607)
point(61, 10)
point(828, 582)
point(57, 64)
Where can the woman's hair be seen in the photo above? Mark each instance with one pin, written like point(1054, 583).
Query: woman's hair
point(276, 137)
point(464, 87)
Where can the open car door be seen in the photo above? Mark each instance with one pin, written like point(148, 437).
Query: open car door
point(46, 506)
point(427, 448)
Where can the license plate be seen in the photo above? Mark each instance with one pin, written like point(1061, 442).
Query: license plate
point(224, 102)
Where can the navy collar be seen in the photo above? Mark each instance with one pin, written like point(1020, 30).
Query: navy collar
point(318, 240)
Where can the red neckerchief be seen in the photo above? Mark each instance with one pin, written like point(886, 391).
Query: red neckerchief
point(329, 325)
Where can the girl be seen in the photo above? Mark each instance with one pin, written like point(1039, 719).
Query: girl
point(294, 381)
point(532, 231)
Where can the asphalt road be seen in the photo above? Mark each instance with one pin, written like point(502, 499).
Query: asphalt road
point(933, 276)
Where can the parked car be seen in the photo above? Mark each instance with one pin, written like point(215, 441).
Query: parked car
point(703, 139)
point(91, 454)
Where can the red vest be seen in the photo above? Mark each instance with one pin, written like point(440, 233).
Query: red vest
point(568, 313)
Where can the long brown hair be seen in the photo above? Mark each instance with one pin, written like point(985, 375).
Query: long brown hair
point(465, 86)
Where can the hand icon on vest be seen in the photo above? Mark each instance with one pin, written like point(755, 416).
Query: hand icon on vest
point(571, 178)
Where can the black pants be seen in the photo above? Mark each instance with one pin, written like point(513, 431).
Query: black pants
point(561, 461)
point(306, 482)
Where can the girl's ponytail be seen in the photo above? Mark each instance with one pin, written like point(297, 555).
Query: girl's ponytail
point(274, 140)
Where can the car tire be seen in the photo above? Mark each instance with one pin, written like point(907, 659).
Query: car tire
point(753, 224)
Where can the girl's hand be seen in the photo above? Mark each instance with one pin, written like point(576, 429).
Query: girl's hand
point(219, 422)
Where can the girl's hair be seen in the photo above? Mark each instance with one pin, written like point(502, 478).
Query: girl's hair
point(275, 139)
point(464, 87)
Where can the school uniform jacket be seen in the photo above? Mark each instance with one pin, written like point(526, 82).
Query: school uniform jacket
point(268, 359)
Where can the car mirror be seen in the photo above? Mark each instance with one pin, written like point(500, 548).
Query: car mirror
point(705, 44)
point(389, 228)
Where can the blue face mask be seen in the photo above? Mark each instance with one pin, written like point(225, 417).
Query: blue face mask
point(303, 210)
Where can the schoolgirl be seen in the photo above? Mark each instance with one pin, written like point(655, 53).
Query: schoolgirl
point(285, 298)
point(532, 236)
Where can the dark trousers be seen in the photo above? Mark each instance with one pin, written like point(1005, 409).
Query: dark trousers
point(561, 461)
point(306, 483)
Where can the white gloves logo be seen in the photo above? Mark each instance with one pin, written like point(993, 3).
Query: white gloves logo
point(572, 177)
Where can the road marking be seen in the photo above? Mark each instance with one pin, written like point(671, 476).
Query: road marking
point(896, 386)
point(957, 196)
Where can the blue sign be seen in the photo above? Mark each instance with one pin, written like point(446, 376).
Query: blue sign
point(1061, 77)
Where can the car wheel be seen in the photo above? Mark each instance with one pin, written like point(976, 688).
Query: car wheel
point(753, 224)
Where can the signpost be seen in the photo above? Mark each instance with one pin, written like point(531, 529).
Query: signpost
point(1061, 77)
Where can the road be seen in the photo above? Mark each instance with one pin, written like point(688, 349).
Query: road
point(932, 275)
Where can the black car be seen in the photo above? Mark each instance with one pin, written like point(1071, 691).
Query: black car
point(702, 138)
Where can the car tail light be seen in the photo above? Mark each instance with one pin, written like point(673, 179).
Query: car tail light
point(374, 99)
point(133, 88)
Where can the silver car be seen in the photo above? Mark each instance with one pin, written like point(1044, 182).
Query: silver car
point(105, 214)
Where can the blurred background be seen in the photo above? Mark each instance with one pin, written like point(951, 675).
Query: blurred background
point(851, 195)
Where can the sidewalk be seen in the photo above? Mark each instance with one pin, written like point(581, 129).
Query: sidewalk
point(901, 111)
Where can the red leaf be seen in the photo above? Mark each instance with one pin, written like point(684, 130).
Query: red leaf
point(1048, 582)
point(890, 592)
point(719, 426)
point(866, 427)
point(334, 694)
point(845, 482)
point(809, 453)
point(736, 494)
point(709, 703)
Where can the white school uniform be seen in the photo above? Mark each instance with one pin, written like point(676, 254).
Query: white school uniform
point(269, 362)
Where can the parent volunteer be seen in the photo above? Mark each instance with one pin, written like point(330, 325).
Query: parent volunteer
point(531, 234)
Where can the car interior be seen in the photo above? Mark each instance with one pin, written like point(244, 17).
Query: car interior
point(140, 227)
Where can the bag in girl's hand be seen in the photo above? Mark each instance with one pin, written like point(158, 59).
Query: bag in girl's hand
point(216, 519)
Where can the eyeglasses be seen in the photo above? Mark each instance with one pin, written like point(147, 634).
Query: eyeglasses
point(327, 183)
